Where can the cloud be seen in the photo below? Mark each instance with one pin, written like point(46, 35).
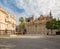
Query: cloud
point(27, 8)
point(38, 7)
point(10, 7)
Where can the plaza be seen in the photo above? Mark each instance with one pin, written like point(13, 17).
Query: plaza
point(30, 42)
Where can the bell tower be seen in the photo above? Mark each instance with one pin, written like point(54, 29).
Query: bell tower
point(50, 14)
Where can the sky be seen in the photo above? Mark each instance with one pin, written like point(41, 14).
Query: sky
point(27, 8)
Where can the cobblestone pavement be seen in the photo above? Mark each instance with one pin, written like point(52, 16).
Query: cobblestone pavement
point(52, 42)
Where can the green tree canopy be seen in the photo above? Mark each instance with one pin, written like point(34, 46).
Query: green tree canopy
point(23, 25)
point(53, 24)
point(21, 19)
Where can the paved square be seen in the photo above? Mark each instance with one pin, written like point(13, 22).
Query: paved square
point(30, 43)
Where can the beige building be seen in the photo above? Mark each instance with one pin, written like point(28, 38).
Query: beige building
point(7, 22)
point(38, 25)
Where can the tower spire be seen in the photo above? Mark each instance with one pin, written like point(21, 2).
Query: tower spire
point(50, 13)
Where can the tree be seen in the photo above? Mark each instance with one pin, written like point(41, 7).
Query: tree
point(52, 24)
point(21, 19)
point(23, 24)
point(58, 25)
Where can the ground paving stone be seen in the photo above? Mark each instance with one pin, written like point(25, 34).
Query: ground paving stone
point(30, 43)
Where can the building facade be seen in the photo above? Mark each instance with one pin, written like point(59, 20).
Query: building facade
point(7, 22)
point(38, 25)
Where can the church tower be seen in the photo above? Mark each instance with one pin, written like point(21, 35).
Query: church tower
point(50, 15)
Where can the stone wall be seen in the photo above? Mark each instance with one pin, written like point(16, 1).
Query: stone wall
point(39, 29)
